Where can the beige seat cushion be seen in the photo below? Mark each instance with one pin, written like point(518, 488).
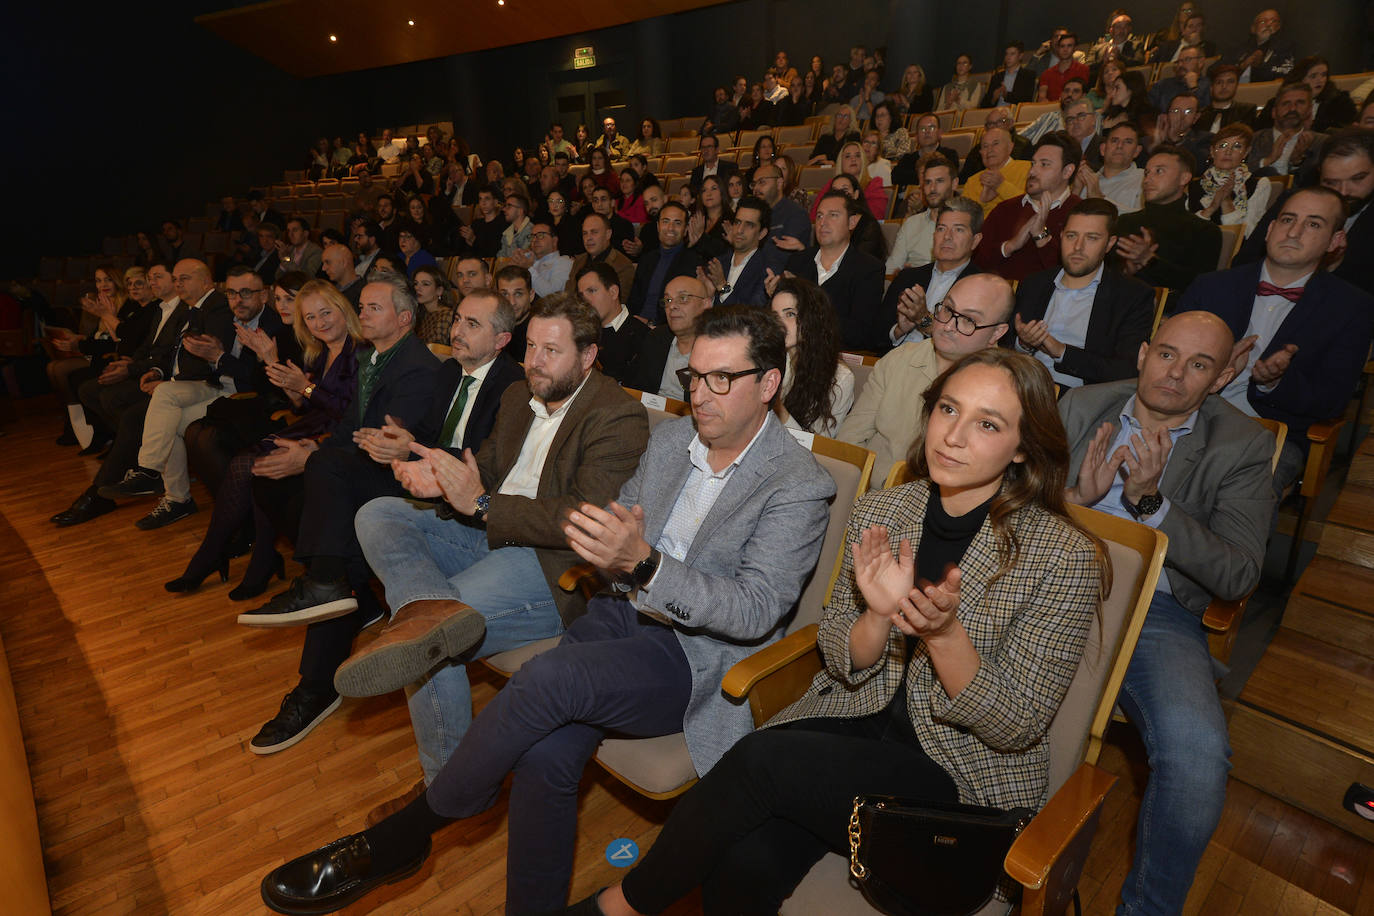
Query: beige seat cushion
point(656, 765)
point(509, 662)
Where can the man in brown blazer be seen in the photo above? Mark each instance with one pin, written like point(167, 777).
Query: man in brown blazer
point(477, 574)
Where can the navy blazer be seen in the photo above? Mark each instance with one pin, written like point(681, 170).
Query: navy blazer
point(502, 373)
point(748, 288)
point(1122, 313)
point(1331, 324)
point(908, 277)
point(1356, 267)
point(856, 292)
point(403, 391)
point(243, 369)
point(684, 265)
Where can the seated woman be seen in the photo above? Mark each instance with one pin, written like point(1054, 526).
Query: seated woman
point(1226, 193)
point(817, 388)
point(1129, 101)
point(894, 141)
point(410, 239)
point(843, 129)
point(328, 331)
point(943, 692)
point(879, 166)
point(1106, 78)
point(960, 92)
point(851, 161)
point(91, 347)
point(601, 171)
point(436, 315)
point(650, 141)
point(1332, 106)
point(708, 226)
point(567, 228)
point(915, 95)
point(631, 198)
point(765, 151)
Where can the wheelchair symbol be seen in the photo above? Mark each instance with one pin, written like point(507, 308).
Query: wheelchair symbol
point(622, 853)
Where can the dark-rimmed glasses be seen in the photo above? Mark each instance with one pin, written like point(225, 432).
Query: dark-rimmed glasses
point(718, 381)
point(962, 323)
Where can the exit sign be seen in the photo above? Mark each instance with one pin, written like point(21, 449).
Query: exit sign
point(584, 58)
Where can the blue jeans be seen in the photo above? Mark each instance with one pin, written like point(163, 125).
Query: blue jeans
point(1170, 695)
point(419, 556)
point(615, 670)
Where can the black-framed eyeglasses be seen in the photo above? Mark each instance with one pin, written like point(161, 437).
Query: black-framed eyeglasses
point(231, 293)
point(683, 299)
point(962, 323)
point(719, 381)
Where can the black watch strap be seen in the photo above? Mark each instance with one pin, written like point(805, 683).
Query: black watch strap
point(644, 570)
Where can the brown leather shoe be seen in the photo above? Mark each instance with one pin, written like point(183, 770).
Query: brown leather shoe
point(423, 635)
point(388, 808)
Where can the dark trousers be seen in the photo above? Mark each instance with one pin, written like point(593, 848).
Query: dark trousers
point(777, 802)
point(123, 455)
point(108, 402)
point(337, 483)
point(614, 671)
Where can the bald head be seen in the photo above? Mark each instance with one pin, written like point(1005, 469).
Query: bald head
point(192, 279)
point(989, 293)
point(338, 265)
point(1188, 359)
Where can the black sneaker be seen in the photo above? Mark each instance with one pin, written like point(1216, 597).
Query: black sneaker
point(166, 513)
point(301, 710)
point(304, 601)
point(137, 482)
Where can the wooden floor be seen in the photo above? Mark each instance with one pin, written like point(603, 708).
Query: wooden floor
point(138, 706)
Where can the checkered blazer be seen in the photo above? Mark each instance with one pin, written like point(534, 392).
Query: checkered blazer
point(1029, 628)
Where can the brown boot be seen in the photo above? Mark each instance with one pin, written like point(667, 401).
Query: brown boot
point(423, 635)
point(388, 808)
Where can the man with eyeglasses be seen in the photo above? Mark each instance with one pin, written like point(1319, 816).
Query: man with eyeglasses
point(672, 258)
point(1002, 119)
point(667, 348)
point(929, 140)
point(972, 316)
point(958, 228)
point(1179, 127)
point(212, 361)
point(1265, 54)
point(707, 549)
point(1074, 90)
point(549, 270)
point(787, 218)
point(1188, 77)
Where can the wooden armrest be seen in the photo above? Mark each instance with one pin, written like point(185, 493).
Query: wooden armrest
point(1324, 432)
point(1066, 824)
point(1321, 439)
point(1220, 614)
point(575, 576)
point(773, 677)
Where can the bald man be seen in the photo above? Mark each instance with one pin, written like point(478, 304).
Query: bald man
point(666, 348)
point(1166, 450)
point(337, 263)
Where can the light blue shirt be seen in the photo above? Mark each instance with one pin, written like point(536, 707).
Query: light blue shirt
point(1068, 315)
point(1113, 503)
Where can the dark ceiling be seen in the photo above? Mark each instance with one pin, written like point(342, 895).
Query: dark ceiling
point(295, 34)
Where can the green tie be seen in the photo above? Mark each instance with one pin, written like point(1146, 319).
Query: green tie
point(455, 413)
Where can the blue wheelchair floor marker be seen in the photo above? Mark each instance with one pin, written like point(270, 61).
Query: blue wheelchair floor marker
point(622, 853)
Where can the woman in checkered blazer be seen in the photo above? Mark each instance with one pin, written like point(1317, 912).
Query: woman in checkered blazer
point(944, 691)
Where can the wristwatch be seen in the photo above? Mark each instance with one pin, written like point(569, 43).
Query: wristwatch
point(483, 504)
point(644, 570)
point(1042, 234)
point(307, 391)
point(1148, 505)
point(724, 291)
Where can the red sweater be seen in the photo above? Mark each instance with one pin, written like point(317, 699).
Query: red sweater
point(1002, 224)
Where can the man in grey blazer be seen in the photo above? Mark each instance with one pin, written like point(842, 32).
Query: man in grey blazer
point(708, 548)
point(1166, 450)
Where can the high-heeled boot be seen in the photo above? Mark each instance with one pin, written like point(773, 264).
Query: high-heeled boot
point(258, 575)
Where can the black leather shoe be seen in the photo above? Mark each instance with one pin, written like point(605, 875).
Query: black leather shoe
point(331, 877)
point(306, 600)
point(98, 445)
point(301, 710)
point(86, 507)
point(136, 482)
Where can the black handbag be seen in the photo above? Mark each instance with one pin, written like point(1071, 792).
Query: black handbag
point(925, 858)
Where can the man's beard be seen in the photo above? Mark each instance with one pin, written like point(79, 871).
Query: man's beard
point(556, 388)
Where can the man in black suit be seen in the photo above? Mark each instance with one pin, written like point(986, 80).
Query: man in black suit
point(666, 348)
point(1011, 83)
point(917, 290)
point(621, 334)
point(317, 488)
point(1084, 321)
point(1302, 335)
point(266, 213)
point(1265, 55)
point(737, 278)
point(852, 279)
point(711, 163)
point(268, 260)
point(672, 258)
point(1346, 167)
point(1290, 146)
point(928, 139)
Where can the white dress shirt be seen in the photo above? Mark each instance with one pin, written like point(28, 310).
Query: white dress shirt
point(823, 274)
point(1266, 315)
point(479, 375)
point(523, 478)
point(916, 238)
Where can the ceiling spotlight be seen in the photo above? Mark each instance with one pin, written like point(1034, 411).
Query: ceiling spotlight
point(500, 2)
point(411, 23)
point(333, 37)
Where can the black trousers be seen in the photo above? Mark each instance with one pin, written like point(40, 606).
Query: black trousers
point(777, 802)
point(128, 439)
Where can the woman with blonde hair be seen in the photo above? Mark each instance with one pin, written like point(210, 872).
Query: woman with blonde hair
point(843, 128)
point(914, 96)
point(852, 162)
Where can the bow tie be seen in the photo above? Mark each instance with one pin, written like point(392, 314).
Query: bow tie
point(1292, 293)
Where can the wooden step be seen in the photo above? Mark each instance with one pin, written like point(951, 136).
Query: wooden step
point(1337, 582)
point(1303, 728)
point(1362, 465)
point(1354, 507)
point(1332, 623)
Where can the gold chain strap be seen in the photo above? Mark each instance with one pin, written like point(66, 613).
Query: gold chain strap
point(856, 868)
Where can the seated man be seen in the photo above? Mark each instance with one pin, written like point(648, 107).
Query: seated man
point(1266, 54)
point(1290, 146)
point(1302, 334)
point(1002, 177)
point(515, 237)
point(516, 287)
point(211, 362)
point(672, 258)
point(549, 270)
point(596, 240)
point(686, 608)
point(974, 314)
point(1119, 179)
point(1162, 243)
point(939, 180)
point(621, 337)
point(916, 290)
point(1159, 451)
point(664, 351)
point(1021, 236)
point(478, 573)
point(337, 263)
point(852, 279)
point(1224, 110)
point(1000, 117)
point(1084, 321)
point(1066, 66)
point(788, 222)
point(296, 251)
point(737, 278)
point(316, 488)
point(1188, 78)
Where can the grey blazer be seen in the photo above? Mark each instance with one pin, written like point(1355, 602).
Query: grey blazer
point(744, 571)
point(1218, 483)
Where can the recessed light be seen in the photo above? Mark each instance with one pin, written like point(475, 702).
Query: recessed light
point(411, 23)
point(333, 37)
point(500, 2)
